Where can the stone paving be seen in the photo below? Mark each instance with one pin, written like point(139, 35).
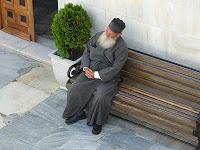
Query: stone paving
point(31, 106)
point(24, 83)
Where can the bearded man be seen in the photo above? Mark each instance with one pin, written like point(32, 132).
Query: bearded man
point(92, 93)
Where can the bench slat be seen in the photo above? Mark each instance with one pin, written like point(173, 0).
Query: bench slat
point(133, 66)
point(135, 90)
point(164, 64)
point(154, 122)
point(160, 104)
point(157, 92)
point(157, 85)
point(158, 110)
point(149, 77)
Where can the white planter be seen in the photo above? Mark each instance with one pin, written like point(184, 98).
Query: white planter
point(60, 68)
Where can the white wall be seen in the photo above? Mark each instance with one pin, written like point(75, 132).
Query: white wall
point(169, 29)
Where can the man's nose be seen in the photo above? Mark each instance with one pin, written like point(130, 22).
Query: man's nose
point(108, 35)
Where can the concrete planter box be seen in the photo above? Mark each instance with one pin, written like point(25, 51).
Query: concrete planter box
point(60, 68)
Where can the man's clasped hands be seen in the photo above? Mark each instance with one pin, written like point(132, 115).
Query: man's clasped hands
point(88, 72)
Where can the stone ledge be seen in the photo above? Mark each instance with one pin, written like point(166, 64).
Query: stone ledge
point(29, 49)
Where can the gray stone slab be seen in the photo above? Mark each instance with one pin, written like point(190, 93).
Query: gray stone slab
point(9, 119)
point(147, 134)
point(52, 108)
point(38, 52)
point(13, 42)
point(17, 97)
point(9, 143)
point(159, 147)
point(41, 78)
point(167, 141)
point(178, 145)
point(126, 140)
point(13, 65)
point(76, 136)
point(106, 147)
point(113, 120)
point(46, 41)
point(28, 128)
point(69, 138)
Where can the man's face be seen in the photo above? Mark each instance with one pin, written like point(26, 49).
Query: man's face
point(111, 34)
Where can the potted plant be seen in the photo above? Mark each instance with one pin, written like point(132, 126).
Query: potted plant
point(71, 30)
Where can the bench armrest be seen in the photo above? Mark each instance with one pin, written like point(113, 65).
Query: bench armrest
point(74, 70)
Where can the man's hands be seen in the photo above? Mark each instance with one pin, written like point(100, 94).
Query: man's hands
point(89, 73)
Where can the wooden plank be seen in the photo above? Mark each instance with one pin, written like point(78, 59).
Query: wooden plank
point(160, 93)
point(158, 110)
point(16, 33)
point(153, 119)
point(161, 87)
point(189, 139)
point(18, 27)
point(162, 104)
point(31, 21)
point(134, 65)
point(164, 64)
point(186, 108)
point(4, 5)
point(157, 104)
point(150, 77)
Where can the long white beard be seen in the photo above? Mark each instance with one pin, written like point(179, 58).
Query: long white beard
point(106, 42)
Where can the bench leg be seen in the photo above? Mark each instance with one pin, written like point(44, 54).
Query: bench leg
point(196, 131)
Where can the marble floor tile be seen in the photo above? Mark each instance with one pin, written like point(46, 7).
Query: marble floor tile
point(17, 97)
point(28, 128)
point(46, 41)
point(125, 139)
point(38, 52)
point(41, 78)
point(159, 147)
point(13, 65)
point(13, 42)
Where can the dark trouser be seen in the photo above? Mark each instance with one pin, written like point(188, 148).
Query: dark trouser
point(91, 96)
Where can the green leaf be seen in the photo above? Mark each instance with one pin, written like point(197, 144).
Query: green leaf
point(71, 29)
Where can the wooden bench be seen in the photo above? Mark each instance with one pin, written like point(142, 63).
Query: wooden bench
point(160, 95)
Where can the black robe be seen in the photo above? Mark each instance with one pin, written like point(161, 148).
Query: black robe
point(94, 96)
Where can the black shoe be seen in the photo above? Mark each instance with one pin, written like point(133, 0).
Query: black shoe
point(96, 129)
point(72, 120)
point(89, 124)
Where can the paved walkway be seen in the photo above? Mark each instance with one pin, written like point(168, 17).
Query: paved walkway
point(31, 105)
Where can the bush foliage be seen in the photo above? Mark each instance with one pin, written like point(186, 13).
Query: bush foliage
point(71, 30)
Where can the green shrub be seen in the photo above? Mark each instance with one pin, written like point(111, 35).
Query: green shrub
point(71, 30)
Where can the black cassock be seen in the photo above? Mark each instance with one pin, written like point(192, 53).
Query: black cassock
point(94, 96)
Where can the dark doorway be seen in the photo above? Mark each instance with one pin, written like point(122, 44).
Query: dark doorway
point(44, 11)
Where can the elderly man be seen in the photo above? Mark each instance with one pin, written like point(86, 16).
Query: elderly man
point(92, 93)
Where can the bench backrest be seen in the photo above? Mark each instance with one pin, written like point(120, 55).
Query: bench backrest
point(164, 76)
